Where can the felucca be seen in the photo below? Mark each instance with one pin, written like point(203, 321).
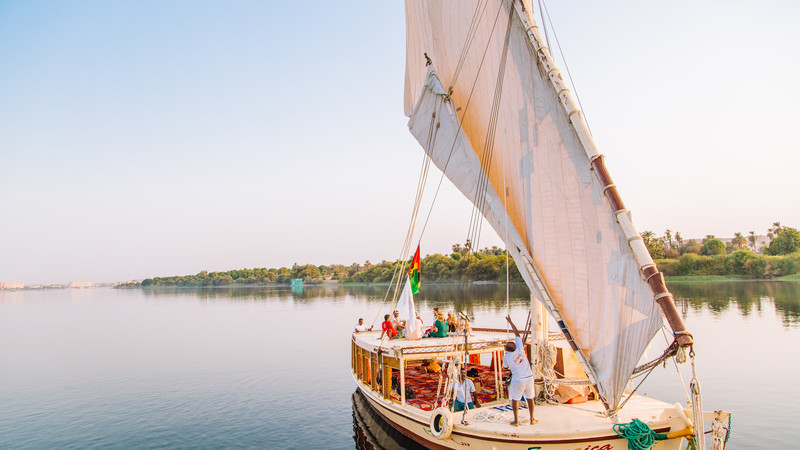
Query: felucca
point(494, 114)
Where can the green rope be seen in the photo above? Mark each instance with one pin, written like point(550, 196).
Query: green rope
point(728, 431)
point(638, 434)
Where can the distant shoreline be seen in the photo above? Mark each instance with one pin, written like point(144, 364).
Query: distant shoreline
point(671, 279)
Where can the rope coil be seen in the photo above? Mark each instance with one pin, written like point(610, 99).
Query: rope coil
point(638, 434)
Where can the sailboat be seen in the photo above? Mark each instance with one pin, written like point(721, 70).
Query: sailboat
point(492, 111)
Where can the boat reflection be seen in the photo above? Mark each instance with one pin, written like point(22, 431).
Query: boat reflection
point(371, 432)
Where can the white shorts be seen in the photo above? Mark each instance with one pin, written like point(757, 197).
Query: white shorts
point(524, 387)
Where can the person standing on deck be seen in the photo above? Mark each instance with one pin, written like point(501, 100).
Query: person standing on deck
point(463, 388)
point(522, 382)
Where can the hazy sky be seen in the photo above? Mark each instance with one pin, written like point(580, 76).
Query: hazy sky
point(140, 139)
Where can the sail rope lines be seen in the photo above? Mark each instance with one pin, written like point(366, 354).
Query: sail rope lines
point(542, 11)
point(399, 270)
point(471, 33)
point(479, 201)
point(676, 361)
point(505, 241)
point(697, 407)
point(487, 156)
point(460, 120)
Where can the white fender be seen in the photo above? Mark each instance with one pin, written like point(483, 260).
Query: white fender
point(441, 423)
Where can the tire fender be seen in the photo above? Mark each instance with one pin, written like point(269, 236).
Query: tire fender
point(441, 423)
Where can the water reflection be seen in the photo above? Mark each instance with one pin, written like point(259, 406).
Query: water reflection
point(717, 296)
point(458, 294)
point(746, 296)
point(370, 431)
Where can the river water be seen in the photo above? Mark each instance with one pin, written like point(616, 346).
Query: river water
point(270, 368)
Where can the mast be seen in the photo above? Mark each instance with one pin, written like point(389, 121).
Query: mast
point(648, 268)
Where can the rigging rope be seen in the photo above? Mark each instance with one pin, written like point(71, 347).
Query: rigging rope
point(487, 156)
point(543, 11)
point(460, 126)
point(471, 33)
point(399, 270)
point(638, 434)
point(681, 353)
point(697, 407)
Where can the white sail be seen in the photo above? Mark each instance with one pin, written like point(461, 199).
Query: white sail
point(562, 230)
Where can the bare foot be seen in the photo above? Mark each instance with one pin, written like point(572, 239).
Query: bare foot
point(514, 424)
point(534, 421)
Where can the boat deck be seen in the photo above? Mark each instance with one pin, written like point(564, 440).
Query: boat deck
point(480, 338)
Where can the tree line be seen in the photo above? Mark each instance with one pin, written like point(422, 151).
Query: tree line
point(739, 257)
point(673, 255)
point(463, 264)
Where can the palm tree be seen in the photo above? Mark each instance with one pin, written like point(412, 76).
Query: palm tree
point(773, 231)
point(752, 239)
point(739, 241)
point(668, 235)
point(678, 239)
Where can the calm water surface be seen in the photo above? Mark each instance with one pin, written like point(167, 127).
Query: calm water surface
point(258, 367)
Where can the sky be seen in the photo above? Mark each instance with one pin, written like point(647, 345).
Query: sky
point(142, 139)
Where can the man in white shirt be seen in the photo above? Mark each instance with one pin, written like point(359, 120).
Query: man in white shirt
point(522, 382)
point(463, 388)
point(360, 328)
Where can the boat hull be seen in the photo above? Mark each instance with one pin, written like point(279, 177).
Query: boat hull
point(417, 429)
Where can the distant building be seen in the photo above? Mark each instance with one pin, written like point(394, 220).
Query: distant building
point(11, 285)
point(80, 284)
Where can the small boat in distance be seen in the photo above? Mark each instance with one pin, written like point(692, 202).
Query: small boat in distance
point(494, 114)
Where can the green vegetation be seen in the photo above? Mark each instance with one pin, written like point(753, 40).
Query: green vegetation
point(675, 258)
point(712, 247)
point(488, 264)
point(741, 263)
point(713, 259)
point(787, 240)
point(463, 264)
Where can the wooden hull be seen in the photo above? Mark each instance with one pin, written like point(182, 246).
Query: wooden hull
point(415, 425)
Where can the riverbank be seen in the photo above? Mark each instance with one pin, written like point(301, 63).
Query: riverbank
point(706, 278)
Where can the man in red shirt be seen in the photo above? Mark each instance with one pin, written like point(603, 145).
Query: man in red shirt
point(388, 328)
